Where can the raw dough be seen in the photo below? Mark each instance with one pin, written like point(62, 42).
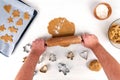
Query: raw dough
point(95, 65)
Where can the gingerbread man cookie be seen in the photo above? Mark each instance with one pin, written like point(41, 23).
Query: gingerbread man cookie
point(7, 38)
point(13, 29)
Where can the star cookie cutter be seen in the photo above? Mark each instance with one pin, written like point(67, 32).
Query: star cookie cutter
point(27, 48)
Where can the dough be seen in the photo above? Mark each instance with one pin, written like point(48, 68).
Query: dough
point(95, 65)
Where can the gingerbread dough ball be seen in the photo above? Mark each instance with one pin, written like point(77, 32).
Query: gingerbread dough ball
point(95, 65)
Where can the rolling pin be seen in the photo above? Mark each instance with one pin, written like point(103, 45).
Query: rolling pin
point(63, 41)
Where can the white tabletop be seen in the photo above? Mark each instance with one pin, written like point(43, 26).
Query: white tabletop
point(80, 12)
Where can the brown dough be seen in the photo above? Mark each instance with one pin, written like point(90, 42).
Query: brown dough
point(61, 27)
point(94, 65)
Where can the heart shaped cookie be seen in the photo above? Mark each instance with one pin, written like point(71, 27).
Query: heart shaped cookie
point(19, 22)
point(7, 8)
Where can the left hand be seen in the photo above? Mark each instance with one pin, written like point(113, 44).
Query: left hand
point(38, 46)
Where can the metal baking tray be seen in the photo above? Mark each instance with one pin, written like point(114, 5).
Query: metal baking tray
point(15, 18)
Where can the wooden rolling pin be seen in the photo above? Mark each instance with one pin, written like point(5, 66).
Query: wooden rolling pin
point(63, 41)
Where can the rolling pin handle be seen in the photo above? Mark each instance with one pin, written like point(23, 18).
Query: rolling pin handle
point(45, 44)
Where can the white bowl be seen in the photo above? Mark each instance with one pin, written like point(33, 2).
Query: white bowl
point(116, 22)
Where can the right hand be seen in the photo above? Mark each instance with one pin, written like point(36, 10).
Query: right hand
point(90, 40)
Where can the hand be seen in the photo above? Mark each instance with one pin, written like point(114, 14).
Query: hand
point(90, 40)
point(38, 46)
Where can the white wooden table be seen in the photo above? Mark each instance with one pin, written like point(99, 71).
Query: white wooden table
point(81, 13)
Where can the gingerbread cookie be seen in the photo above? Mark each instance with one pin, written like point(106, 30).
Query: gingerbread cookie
point(7, 38)
point(26, 16)
point(84, 54)
point(16, 13)
point(2, 28)
point(10, 19)
point(7, 8)
point(13, 29)
point(70, 55)
point(63, 68)
point(19, 22)
point(52, 57)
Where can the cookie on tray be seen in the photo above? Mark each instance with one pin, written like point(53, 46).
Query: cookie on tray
point(13, 29)
point(7, 8)
point(16, 13)
point(114, 33)
point(26, 16)
point(2, 28)
point(10, 19)
point(7, 38)
point(19, 22)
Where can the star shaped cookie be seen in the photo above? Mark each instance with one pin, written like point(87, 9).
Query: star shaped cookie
point(10, 19)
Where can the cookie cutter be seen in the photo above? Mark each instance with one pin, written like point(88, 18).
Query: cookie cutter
point(52, 57)
point(70, 55)
point(44, 69)
point(84, 54)
point(63, 68)
point(27, 48)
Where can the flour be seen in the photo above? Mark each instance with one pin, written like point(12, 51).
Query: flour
point(102, 11)
point(56, 31)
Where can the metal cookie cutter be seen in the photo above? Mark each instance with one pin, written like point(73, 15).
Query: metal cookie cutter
point(27, 48)
point(44, 69)
point(70, 55)
point(84, 54)
point(52, 57)
point(63, 68)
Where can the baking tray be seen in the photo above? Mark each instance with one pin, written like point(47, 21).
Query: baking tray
point(19, 23)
